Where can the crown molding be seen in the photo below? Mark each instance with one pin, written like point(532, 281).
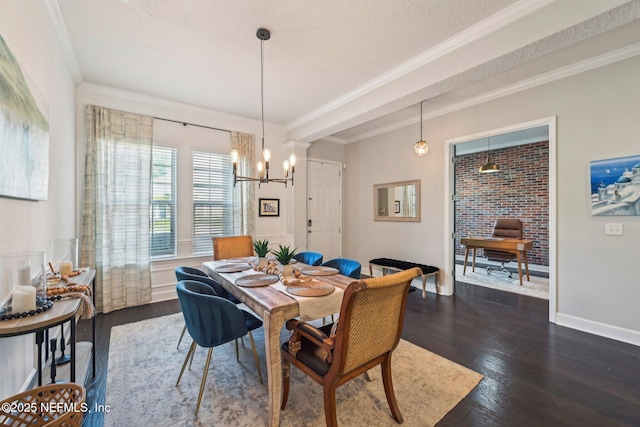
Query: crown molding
point(551, 76)
point(491, 24)
point(59, 27)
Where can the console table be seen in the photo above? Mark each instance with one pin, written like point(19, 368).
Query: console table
point(64, 310)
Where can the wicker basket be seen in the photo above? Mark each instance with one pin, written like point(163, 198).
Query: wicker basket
point(50, 405)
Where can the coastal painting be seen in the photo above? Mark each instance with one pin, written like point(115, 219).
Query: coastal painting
point(615, 186)
point(24, 133)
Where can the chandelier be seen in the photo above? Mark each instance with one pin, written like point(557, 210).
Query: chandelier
point(289, 165)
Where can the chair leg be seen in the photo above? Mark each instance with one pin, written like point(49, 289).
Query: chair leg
point(330, 416)
point(255, 356)
point(192, 355)
point(286, 373)
point(181, 335)
point(192, 349)
point(204, 379)
point(388, 389)
point(237, 354)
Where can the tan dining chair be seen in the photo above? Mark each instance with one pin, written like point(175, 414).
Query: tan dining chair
point(232, 247)
point(366, 334)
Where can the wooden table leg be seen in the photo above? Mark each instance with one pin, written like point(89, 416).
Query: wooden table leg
point(526, 264)
point(519, 266)
point(473, 264)
point(466, 257)
point(273, 323)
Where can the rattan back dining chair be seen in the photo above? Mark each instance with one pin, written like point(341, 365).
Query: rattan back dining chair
point(232, 247)
point(367, 332)
point(212, 321)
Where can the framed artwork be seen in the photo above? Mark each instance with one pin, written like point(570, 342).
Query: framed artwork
point(269, 207)
point(397, 208)
point(615, 186)
point(24, 133)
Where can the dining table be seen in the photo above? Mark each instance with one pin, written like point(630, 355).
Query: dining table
point(275, 306)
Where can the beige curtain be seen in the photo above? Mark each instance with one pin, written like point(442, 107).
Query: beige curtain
point(244, 192)
point(115, 212)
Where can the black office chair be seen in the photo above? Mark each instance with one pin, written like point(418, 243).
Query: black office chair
point(511, 228)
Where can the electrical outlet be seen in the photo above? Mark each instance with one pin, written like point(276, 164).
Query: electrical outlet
point(613, 229)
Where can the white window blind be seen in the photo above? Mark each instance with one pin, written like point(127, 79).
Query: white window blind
point(163, 202)
point(212, 199)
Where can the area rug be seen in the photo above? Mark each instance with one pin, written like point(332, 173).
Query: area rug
point(537, 287)
point(144, 365)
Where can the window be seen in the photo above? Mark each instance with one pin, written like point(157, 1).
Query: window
point(212, 199)
point(163, 202)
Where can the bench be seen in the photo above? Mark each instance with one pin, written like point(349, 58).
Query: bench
point(397, 265)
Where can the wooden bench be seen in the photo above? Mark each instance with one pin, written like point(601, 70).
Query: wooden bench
point(397, 265)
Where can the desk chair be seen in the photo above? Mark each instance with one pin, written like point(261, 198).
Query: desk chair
point(366, 334)
point(212, 321)
point(309, 258)
point(232, 247)
point(347, 267)
point(504, 228)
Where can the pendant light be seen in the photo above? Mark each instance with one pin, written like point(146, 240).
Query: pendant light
point(289, 165)
point(489, 166)
point(421, 148)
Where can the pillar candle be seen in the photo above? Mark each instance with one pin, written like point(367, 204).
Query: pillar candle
point(24, 273)
point(66, 268)
point(24, 299)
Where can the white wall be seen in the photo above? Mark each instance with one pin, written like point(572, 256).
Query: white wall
point(596, 119)
point(185, 139)
point(28, 225)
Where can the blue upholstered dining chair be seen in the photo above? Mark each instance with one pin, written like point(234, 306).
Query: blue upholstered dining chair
point(212, 321)
point(347, 267)
point(190, 273)
point(309, 258)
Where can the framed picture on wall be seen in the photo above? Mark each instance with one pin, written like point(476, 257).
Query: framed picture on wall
point(269, 207)
point(615, 186)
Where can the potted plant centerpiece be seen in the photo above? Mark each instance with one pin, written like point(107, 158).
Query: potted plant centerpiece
point(262, 249)
point(284, 255)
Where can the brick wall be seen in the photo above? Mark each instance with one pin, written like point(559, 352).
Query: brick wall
point(520, 190)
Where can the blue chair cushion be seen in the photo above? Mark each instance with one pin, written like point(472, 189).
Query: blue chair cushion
point(309, 258)
point(190, 273)
point(211, 320)
point(347, 267)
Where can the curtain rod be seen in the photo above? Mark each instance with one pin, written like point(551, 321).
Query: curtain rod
point(192, 124)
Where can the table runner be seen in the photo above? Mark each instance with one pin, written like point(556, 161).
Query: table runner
point(310, 307)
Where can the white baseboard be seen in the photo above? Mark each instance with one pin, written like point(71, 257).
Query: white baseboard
point(601, 329)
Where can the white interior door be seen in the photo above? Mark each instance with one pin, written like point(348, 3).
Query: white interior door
point(324, 208)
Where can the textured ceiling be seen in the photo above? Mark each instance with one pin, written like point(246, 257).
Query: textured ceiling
point(205, 53)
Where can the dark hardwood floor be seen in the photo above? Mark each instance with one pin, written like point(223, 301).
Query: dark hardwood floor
point(536, 373)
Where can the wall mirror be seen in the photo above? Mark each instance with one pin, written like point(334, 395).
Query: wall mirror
point(397, 201)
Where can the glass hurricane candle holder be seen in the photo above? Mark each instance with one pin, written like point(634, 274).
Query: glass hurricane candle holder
point(63, 255)
point(19, 272)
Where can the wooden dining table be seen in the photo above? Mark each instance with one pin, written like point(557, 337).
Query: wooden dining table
point(274, 307)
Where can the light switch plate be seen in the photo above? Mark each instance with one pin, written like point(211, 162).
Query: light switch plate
point(613, 229)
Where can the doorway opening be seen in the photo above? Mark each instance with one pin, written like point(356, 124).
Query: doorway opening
point(524, 188)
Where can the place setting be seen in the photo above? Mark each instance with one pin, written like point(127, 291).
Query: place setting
point(320, 271)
